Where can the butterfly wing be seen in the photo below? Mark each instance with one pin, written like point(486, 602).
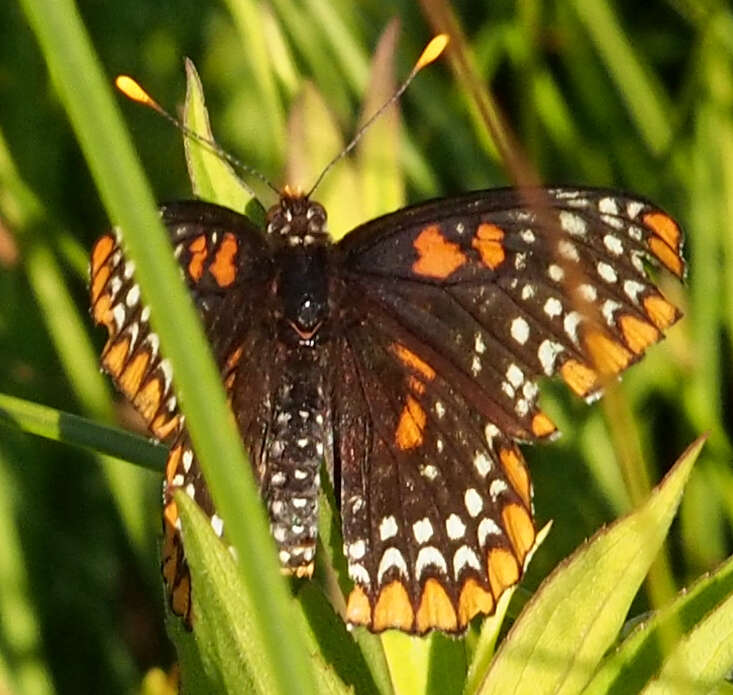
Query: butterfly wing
point(226, 263)
point(462, 305)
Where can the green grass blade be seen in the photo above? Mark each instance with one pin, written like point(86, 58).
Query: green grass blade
point(645, 100)
point(59, 426)
point(230, 649)
point(119, 178)
point(20, 627)
point(573, 618)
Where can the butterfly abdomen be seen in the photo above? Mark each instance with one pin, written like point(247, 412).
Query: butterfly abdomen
point(293, 454)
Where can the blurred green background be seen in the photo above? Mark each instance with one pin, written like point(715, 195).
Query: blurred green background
point(638, 97)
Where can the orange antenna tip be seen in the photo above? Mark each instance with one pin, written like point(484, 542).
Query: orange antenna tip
point(132, 90)
point(432, 51)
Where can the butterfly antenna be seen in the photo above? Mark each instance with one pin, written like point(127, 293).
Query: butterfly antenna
point(430, 53)
point(132, 90)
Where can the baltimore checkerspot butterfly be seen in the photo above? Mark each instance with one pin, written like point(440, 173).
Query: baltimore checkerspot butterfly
point(404, 360)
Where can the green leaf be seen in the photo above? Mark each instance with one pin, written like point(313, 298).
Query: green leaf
point(701, 659)
point(573, 618)
point(639, 657)
point(212, 178)
point(229, 649)
point(490, 627)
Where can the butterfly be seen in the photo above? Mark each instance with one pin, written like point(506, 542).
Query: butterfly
point(404, 361)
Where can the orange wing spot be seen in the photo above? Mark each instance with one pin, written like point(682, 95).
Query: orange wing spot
point(115, 355)
point(664, 227)
point(170, 515)
point(181, 596)
point(473, 600)
point(416, 386)
point(580, 378)
point(660, 311)
point(638, 334)
point(542, 426)
point(134, 373)
point(409, 429)
point(520, 528)
point(516, 471)
point(358, 610)
point(302, 571)
point(607, 355)
point(410, 359)
point(488, 243)
point(147, 400)
point(393, 608)
point(171, 466)
point(666, 255)
point(199, 252)
point(101, 252)
point(170, 557)
point(223, 268)
point(101, 312)
point(100, 281)
point(437, 257)
point(436, 610)
point(234, 357)
point(503, 571)
point(164, 425)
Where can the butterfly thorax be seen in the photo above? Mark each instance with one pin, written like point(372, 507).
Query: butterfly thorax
point(297, 230)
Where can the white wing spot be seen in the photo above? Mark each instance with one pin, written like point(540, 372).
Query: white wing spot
point(553, 307)
point(520, 330)
point(422, 530)
point(478, 344)
point(573, 224)
point(187, 460)
point(388, 528)
point(439, 409)
point(217, 523)
point(608, 206)
point(487, 527)
point(528, 291)
point(606, 272)
point(391, 558)
point(496, 488)
point(608, 309)
point(635, 233)
point(613, 244)
point(515, 375)
point(568, 250)
point(133, 296)
point(547, 354)
point(358, 574)
point(570, 325)
point(588, 292)
point(528, 236)
point(476, 365)
point(455, 527)
point(474, 503)
point(555, 272)
point(633, 208)
point(508, 389)
point(491, 431)
point(633, 289)
point(429, 555)
point(462, 557)
point(357, 550)
point(482, 463)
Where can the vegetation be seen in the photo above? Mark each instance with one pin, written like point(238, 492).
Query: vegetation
point(594, 92)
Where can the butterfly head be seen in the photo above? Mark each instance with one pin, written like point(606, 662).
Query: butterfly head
point(296, 220)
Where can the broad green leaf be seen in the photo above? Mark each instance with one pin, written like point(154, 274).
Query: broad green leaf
point(639, 657)
point(701, 659)
point(490, 627)
point(212, 178)
point(229, 650)
point(574, 617)
point(378, 165)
